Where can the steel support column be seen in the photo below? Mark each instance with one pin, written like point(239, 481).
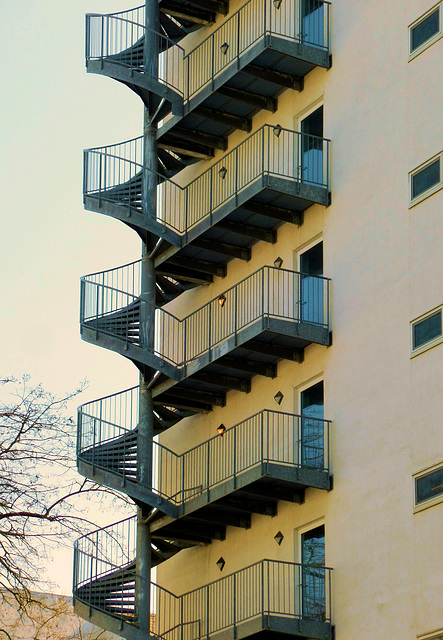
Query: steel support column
point(147, 320)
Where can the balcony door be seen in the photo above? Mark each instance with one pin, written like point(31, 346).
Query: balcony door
point(311, 160)
point(311, 288)
point(312, 426)
point(313, 23)
point(313, 599)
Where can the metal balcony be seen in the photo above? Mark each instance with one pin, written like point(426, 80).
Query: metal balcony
point(271, 315)
point(266, 598)
point(247, 469)
point(264, 48)
point(269, 179)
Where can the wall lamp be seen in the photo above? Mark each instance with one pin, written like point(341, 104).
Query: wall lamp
point(225, 46)
point(221, 429)
point(278, 397)
point(220, 563)
point(221, 300)
point(278, 262)
point(277, 130)
point(279, 538)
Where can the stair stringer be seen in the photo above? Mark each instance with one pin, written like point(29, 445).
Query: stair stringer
point(132, 489)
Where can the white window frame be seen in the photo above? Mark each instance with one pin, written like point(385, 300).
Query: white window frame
point(433, 39)
point(432, 343)
point(299, 531)
point(433, 189)
point(432, 501)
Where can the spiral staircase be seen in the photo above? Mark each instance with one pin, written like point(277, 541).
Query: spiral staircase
point(195, 99)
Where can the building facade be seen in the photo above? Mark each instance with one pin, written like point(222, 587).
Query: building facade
point(284, 447)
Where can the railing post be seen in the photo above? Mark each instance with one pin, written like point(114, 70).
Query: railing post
point(261, 443)
point(234, 611)
point(102, 41)
point(208, 456)
point(207, 612)
point(235, 313)
point(238, 39)
point(212, 62)
point(234, 470)
point(183, 480)
point(262, 590)
point(209, 330)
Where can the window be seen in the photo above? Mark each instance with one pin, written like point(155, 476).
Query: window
point(426, 179)
point(427, 331)
point(428, 488)
point(425, 31)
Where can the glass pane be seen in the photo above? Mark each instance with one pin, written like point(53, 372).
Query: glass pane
point(426, 178)
point(312, 440)
point(313, 560)
point(425, 30)
point(429, 486)
point(427, 330)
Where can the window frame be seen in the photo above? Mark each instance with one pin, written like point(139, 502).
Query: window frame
point(432, 343)
point(416, 52)
point(429, 192)
point(431, 502)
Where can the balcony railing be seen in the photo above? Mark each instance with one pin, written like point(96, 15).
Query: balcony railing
point(115, 174)
point(107, 438)
point(110, 306)
point(273, 594)
point(119, 38)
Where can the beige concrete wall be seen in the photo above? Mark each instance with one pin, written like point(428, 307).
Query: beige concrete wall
point(383, 115)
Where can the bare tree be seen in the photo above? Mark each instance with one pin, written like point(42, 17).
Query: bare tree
point(42, 499)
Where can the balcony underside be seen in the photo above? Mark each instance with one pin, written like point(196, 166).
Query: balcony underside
point(252, 216)
point(231, 503)
point(196, 13)
point(230, 364)
point(248, 85)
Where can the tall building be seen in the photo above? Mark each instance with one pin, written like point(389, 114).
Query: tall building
point(284, 448)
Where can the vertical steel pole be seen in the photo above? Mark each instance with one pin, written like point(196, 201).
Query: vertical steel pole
point(147, 318)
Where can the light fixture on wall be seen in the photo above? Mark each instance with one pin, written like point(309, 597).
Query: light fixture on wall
point(278, 262)
point(277, 130)
point(221, 429)
point(279, 538)
point(221, 300)
point(277, 3)
point(220, 563)
point(278, 397)
point(223, 171)
point(224, 47)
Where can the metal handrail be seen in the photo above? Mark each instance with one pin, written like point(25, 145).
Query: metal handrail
point(269, 151)
point(114, 37)
point(269, 292)
point(267, 437)
point(285, 589)
point(252, 22)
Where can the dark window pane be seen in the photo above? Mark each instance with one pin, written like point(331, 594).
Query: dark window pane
point(429, 486)
point(426, 178)
point(427, 330)
point(425, 30)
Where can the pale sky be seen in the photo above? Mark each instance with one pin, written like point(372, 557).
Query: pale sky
point(50, 110)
